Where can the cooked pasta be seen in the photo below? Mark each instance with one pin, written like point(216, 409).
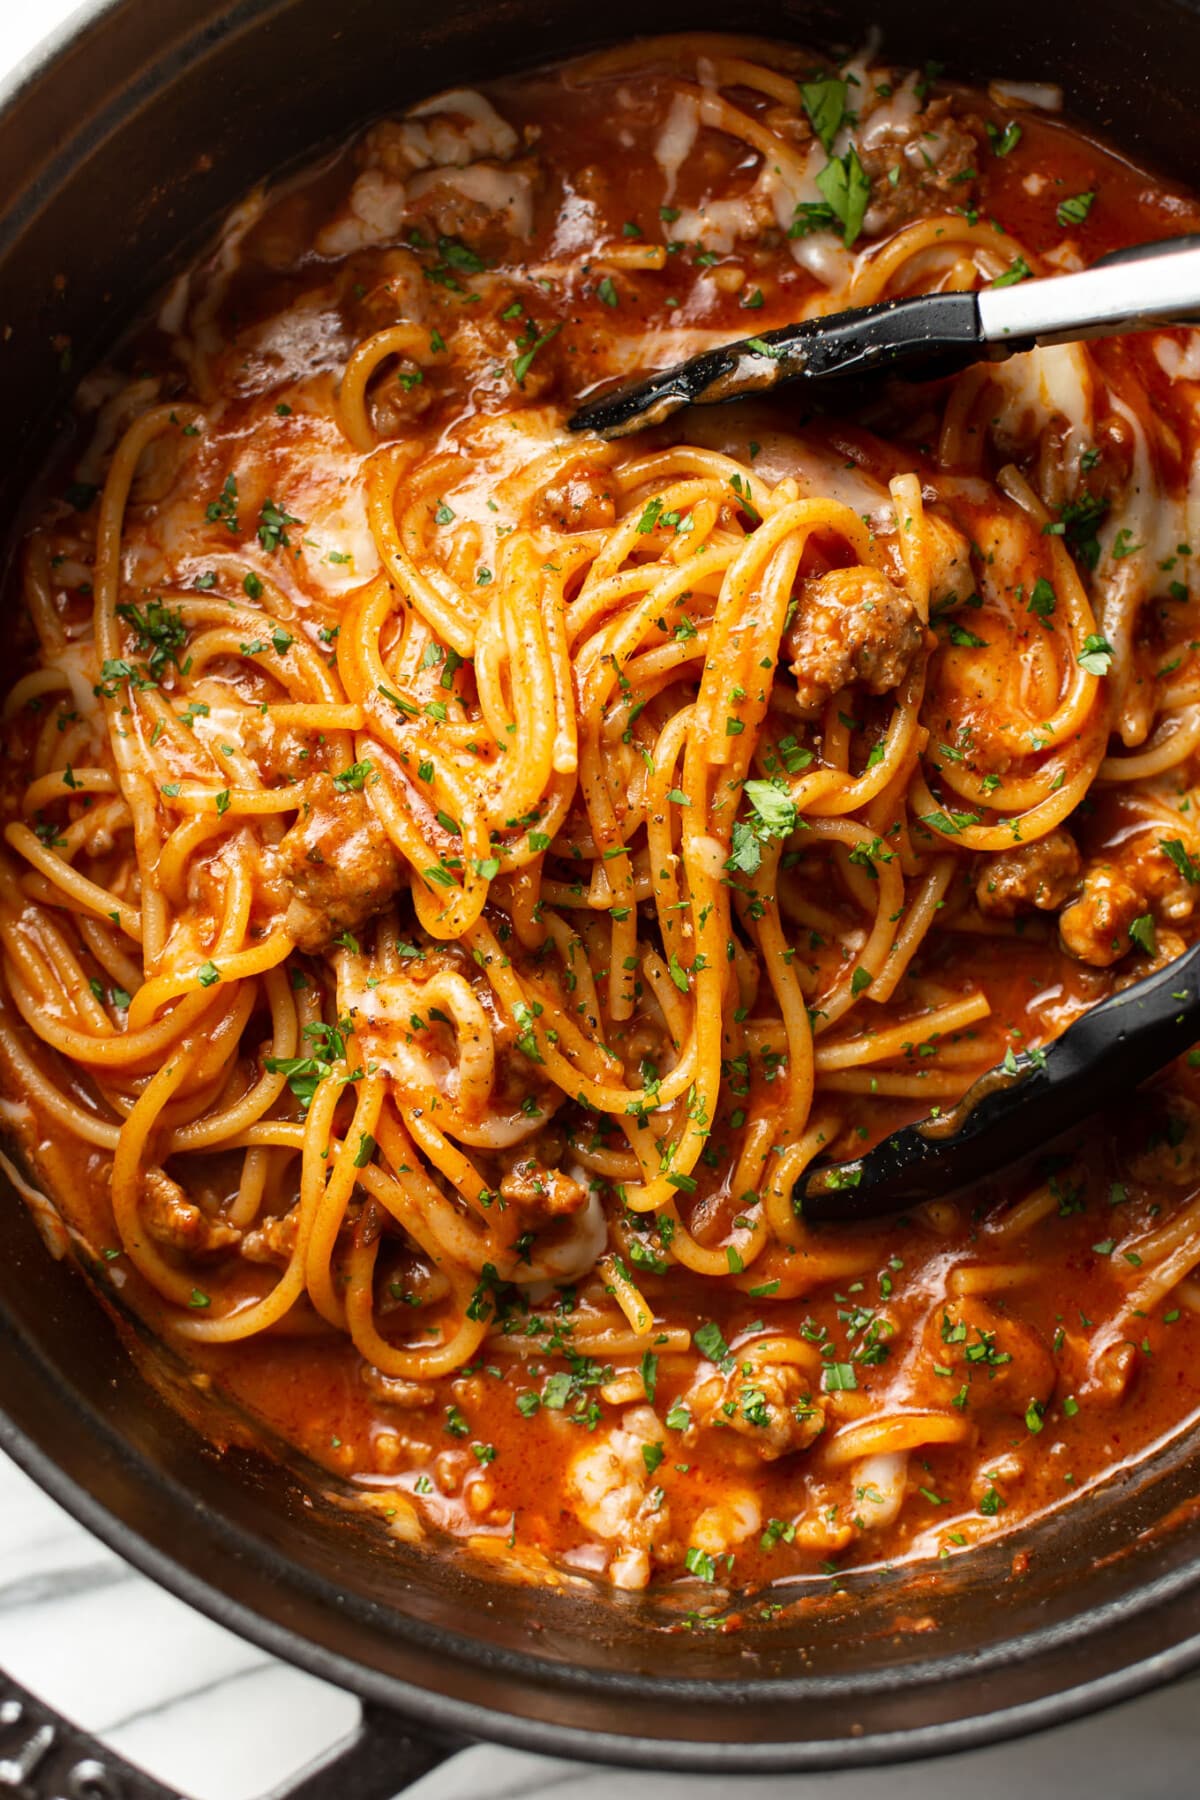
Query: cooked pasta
point(460, 876)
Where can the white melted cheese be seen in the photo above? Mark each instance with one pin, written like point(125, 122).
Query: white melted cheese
point(778, 191)
point(223, 723)
point(442, 141)
point(497, 446)
point(337, 524)
point(575, 230)
point(880, 1482)
point(1064, 257)
point(1154, 521)
point(291, 345)
point(893, 120)
point(819, 252)
point(1179, 359)
point(1146, 525)
point(78, 664)
point(173, 311)
point(779, 456)
point(46, 1215)
point(717, 224)
point(326, 490)
point(676, 140)
point(485, 133)
point(376, 213)
point(1044, 384)
point(577, 1250)
point(858, 69)
point(382, 1023)
point(1042, 96)
point(506, 193)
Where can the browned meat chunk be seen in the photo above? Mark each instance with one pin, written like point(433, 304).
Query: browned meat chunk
point(174, 1222)
point(851, 625)
point(339, 863)
point(1002, 1361)
point(530, 1183)
point(935, 154)
point(1041, 875)
point(581, 501)
point(772, 1405)
point(274, 1240)
point(1157, 875)
point(449, 212)
point(399, 396)
point(393, 1390)
point(951, 577)
point(1095, 927)
point(381, 287)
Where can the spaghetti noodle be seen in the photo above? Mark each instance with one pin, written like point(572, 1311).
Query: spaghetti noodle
point(459, 877)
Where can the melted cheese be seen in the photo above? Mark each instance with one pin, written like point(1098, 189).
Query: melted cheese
point(1042, 385)
point(820, 252)
point(79, 665)
point(574, 231)
point(676, 140)
point(505, 193)
point(485, 132)
point(717, 224)
point(1179, 355)
point(893, 120)
point(1045, 96)
point(378, 203)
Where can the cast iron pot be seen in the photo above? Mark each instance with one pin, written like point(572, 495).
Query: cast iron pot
point(121, 142)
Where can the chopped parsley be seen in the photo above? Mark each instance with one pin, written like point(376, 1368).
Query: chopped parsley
point(224, 509)
point(1017, 270)
point(846, 187)
point(1006, 141)
point(824, 101)
point(1042, 600)
point(533, 341)
point(1174, 850)
point(1075, 210)
point(272, 527)
point(1096, 656)
point(1142, 933)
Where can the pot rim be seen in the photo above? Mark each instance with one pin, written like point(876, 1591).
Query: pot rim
point(461, 1722)
point(458, 1721)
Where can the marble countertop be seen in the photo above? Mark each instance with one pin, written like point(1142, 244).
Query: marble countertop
point(219, 1720)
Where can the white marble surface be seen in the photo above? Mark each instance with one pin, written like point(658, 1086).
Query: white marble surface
point(217, 1719)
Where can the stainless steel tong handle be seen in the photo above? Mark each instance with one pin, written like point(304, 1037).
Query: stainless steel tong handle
point(1130, 290)
point(921, 335)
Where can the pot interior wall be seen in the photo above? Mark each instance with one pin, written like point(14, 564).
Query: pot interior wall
point(171, 112)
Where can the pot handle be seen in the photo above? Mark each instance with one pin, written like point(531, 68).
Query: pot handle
point(42, 1757)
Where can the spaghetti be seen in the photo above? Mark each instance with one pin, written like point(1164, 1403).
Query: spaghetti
point(458, 877)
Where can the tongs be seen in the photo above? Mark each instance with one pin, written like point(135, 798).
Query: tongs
point(1036, 1097)
point(921, 337)
point(1020, 1107)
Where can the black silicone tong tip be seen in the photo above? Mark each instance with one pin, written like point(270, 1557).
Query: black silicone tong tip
point(1021, 1107)
point(928, 334)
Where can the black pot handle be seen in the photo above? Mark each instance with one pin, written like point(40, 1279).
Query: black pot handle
point(42, 1757)
point(382, 1757)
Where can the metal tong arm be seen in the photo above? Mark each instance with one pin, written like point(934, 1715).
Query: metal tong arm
point(1128, 290)
point(1023, 1105)
point(924, 335)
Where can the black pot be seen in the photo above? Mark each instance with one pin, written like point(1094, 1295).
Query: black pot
point(121, 143)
